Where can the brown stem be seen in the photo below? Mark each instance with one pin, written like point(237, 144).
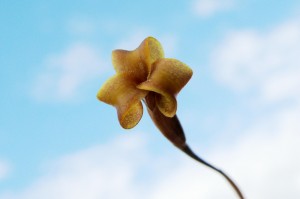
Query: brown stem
point(186, 149)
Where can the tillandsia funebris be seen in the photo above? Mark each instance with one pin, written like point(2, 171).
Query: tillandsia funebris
point(144, 74)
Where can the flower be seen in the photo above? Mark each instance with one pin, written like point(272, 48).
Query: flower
point(143, 74)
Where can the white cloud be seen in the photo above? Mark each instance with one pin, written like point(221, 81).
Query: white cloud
point(268, 62)
point(104, 171)
point(264, 66)
point(65, 73)
point(207, 8)
point(267, 155)
point(4, 169)
point(264, 162)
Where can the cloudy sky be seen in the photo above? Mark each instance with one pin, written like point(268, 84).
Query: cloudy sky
point(240, 111)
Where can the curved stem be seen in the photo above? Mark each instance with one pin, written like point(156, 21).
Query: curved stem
point(186, 149)
point(173, 131)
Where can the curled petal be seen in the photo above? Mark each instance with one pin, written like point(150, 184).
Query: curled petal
point(167, 78)
point(137, 63)
point(167, 104)
point(122, 93)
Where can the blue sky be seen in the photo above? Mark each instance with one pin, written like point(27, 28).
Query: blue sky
point(240, 110)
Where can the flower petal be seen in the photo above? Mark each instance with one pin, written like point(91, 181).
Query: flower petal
point(167, 78)
point(122, 93)
point(137, 63)
point(131, 64)
point(151, 51)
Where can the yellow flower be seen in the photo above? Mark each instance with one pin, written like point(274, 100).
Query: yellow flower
point(143, 74)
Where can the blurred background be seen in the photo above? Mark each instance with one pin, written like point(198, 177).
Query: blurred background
point(240, 111)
